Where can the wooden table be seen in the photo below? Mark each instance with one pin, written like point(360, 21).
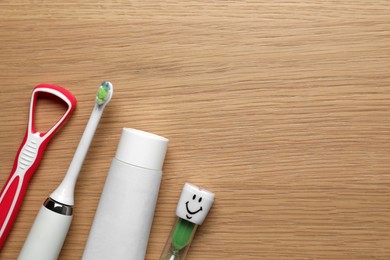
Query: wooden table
point(279, 107)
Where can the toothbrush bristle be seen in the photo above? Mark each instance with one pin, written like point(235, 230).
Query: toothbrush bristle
point(104, 92)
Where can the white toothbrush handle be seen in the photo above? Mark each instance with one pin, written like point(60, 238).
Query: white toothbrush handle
point(65, 191)
point(46, 237)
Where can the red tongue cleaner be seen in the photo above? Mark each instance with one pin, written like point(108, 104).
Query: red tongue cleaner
point(29, 155)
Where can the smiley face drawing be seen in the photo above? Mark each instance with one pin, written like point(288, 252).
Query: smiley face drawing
point(194, 203)
point(193, 212)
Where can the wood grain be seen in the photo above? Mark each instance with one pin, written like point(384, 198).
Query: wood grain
point(279, 107)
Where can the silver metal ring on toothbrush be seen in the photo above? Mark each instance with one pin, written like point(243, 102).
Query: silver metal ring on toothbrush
point(58, 207)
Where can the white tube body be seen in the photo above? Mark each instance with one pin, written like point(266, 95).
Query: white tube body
point(124, 216)
point(46, 237)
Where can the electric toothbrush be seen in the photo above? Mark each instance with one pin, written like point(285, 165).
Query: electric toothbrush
point(52, 223)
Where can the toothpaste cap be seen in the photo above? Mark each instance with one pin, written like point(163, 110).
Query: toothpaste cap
point(142, 149)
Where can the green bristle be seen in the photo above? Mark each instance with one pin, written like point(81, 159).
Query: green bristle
point(103, 93)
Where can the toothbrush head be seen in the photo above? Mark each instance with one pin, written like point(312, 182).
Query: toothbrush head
point(104, 93)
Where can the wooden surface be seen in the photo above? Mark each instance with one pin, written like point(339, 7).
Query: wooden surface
point(279, 107)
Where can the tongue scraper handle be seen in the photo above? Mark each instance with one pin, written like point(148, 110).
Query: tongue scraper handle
point(28, 157)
